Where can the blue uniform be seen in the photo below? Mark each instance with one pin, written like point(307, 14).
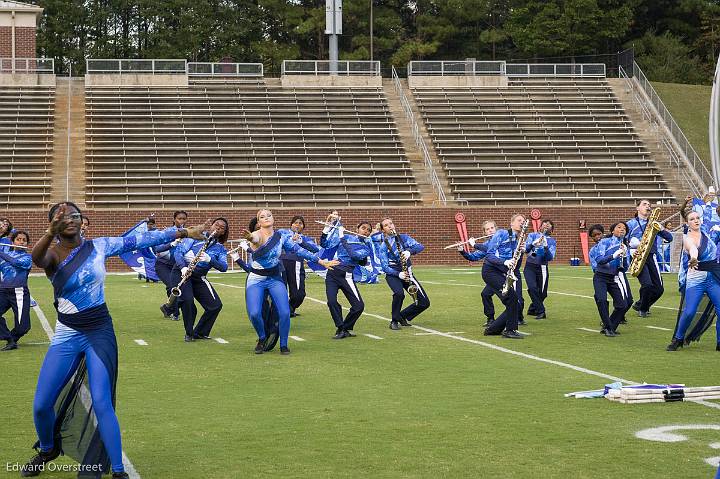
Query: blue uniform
point(479, 253)
point(536, 272)
point(84, 332)
point(501, 248)
point(351, 252)
point(14, 294)
point(609, 278)
point(699, 282)
point(392, 266)
point(198, 287)
point(266, 278)
point(651, 284)
point(294, 270)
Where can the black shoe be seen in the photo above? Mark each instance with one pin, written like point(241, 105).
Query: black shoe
point(259, 347)
point(350, 334)
point(394, 325)
point(487, 332)
point(674, 345)
point(202, 336)
point(603, 331)
point(174, 317)
point(284, 350)
point(10, 346)
point(120, 475)
point(293, 314)
point(340, 335)
point(609, 333)
point(404, 322)
point(643, 314)
point(37, 463)
point(636, 306)
point(488, 322)
point(522, 322)
point(623, 321)
point(717, 347)
point(512, 334)
point(189, 339)
point(541, 316)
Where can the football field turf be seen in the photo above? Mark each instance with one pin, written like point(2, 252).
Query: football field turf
point(435, 400)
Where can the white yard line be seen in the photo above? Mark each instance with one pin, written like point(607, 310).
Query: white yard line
point(141, 342)
point(658, 327)
point(297, 338)
point(220, 340)
point(129, 467)
point(372, 336)
point(589, 330)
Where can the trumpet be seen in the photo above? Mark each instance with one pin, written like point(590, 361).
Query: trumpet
point(338, 226)
point(175, 292)
point(455, 245)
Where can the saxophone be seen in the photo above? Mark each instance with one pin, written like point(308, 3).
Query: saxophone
point(640, 256)
point(412, 288)
point(511, 279)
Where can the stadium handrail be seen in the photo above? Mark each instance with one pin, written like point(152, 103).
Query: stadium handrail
point(650, 100)
point(325, 67)
point(419, 140)
point(117, 65)
point(225, 69)
point(27, 65)
point(501, 68)
point(461, 67)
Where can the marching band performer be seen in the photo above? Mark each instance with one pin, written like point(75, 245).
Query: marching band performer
point(85, 228)
point(6, 228)
point(294, 266)
point(267, 243)
point(15, 264)
point(500, 250)
point(700, 276)
point(609, 258)
point(651, 285)
point(84, 338)
point(540, 248)
point(489, 229)
point(165, 260)
point(198, 287)
point(352, 250)
point(396, 263)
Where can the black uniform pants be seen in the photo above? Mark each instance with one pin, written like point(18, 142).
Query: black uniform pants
point(487, 302)
point(338, 280)
point(651, 284)
point(17, 299)
point(508, 320)
point(398, 287)
point(198, 288)
point(164, 272)
point(537, 278)
point(294, 277)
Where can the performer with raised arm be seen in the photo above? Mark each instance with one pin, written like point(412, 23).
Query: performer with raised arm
point(397, 265)
point(500, 251)
point(609, 258)
point(651, 285)
point(699, 276)
point(540, 248)
point(479, 253)
point(165, 261)
point(267, 244)
point(15, 264)
point(84, 341)
point(212, 254)
point(294, 265)
point(352, 250)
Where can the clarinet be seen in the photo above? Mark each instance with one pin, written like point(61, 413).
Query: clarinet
point(511, 279)
point(175, 292)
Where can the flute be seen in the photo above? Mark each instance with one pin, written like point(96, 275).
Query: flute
point(339, 226)
point(465, 242)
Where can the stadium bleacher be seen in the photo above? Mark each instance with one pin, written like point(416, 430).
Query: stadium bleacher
point(555, 141)
point(225, 143)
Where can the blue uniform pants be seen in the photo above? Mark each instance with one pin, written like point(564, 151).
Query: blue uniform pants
point(255, 291)
point(694, 291)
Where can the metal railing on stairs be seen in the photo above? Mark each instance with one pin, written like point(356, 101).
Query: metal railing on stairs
point(419, 140)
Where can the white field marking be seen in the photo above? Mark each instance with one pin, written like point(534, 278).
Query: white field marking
point(141, 342)
point(229, 285)
point(432, 334)
point(508, 351)
point(658, 327)
point(589, 330)
point(713, 461)
point(297, 338)
point(524, 333)
point(39, 343)
point(372, 336)
point(714, 445)
point(220, 340)
point(553, 292)
point(667, 434)
point(129, 467)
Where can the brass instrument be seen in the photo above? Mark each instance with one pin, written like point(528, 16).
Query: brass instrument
point(511, 279)
point(640, 256)
point(175, 292)
point(412, 288)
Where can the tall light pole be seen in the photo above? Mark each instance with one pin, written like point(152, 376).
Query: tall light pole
point(333, 27)
point(371, 30)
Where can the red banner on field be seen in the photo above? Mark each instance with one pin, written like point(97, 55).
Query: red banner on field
point(535, 216)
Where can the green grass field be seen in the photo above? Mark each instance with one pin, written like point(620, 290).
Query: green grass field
point(690, 106)
point(416, 403)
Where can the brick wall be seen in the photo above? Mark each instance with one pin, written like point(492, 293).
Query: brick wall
point(24, 42)
point(434, 227)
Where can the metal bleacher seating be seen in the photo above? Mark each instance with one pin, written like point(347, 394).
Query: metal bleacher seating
point(243, 144)
point(26, 145)
point(551, 141)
